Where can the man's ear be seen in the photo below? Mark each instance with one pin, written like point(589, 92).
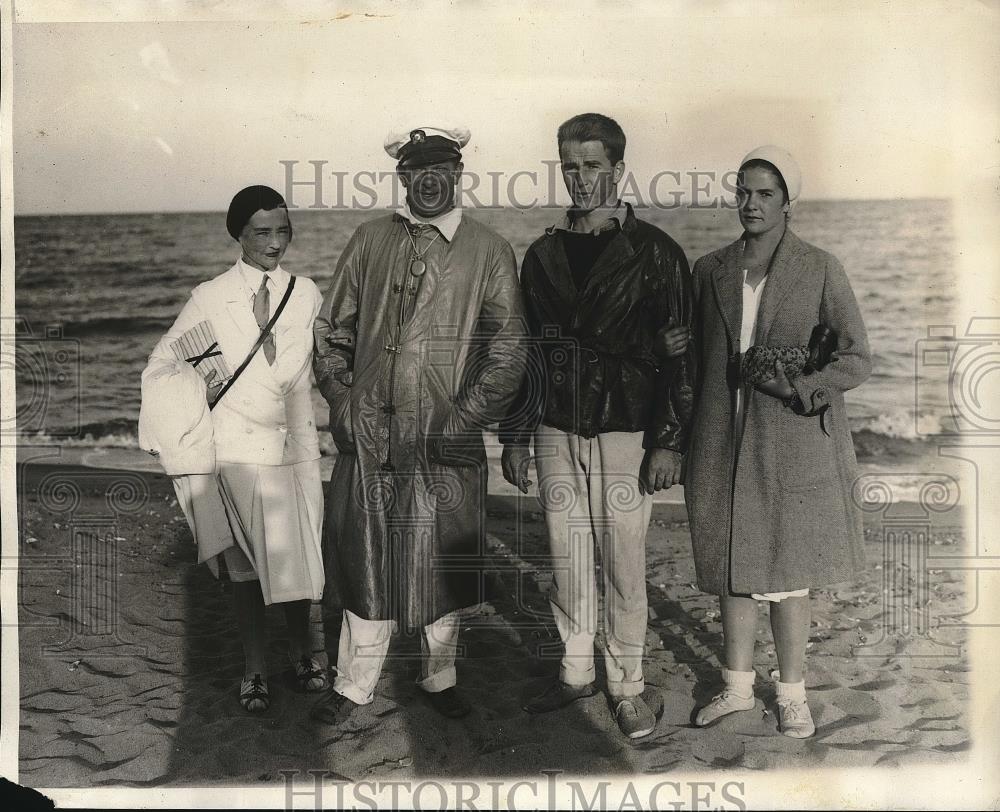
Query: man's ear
point(404, 176)
point(618, 172)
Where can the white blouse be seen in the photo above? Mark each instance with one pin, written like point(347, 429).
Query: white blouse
point(748, 328)
point(751, 304)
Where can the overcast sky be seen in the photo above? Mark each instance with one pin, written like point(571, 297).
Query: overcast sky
point(166, 116)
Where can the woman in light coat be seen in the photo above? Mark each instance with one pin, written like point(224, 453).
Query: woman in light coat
point(252, 492)
point(771, 468)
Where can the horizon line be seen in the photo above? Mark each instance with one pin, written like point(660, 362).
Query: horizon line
point(638, 207)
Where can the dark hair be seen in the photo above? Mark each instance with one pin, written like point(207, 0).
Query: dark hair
point(247, 202)
point(594, 127)
point(767, 166)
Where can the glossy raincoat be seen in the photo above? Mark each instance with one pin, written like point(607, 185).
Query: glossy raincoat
point(413, 369)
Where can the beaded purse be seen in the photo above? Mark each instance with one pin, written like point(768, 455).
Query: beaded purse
point(758, 362)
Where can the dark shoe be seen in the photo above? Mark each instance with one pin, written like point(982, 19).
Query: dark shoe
point(558, 695)
point(332, 708)
point(634, 717)
point(448, 702)
point(254, 696)
point(310, 676)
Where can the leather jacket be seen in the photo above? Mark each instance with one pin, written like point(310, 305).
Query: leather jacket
point(592, 368)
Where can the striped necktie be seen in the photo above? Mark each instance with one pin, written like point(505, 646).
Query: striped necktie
point(262, 312)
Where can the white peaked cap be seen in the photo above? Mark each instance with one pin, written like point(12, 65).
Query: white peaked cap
point(400, 137)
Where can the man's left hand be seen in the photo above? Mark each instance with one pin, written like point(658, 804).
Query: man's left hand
point(660, 469)
point(671, 341)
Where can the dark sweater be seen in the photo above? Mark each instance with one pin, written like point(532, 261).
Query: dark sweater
point(583, 249)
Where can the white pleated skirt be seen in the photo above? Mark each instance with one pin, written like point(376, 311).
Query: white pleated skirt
point(275, 513)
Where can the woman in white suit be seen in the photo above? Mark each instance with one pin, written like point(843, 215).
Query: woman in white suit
point(258, 521)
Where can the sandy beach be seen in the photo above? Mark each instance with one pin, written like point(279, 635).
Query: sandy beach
point(130, 661)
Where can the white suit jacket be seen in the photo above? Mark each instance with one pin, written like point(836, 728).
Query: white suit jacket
point(267, 416)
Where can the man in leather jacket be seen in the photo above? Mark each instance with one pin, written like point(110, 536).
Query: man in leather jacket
point(608, 415)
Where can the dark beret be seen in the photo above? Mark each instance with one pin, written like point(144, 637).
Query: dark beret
point(247, 202)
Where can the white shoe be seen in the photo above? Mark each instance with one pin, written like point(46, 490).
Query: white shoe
point(722, 705)
point(795, 720)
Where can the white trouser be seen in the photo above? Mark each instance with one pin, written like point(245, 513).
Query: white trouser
point(365, 643)
point(589, 488)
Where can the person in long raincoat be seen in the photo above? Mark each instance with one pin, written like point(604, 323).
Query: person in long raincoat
point(420, 344)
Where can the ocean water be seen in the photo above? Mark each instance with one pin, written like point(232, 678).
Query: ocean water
point(95, 292)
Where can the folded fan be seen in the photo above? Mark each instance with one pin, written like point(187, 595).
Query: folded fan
point(199, 348)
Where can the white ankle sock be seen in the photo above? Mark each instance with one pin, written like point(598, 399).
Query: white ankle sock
point(739, 682)
point(791, 691)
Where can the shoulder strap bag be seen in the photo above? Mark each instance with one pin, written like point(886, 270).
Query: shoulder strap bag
point(260, 343)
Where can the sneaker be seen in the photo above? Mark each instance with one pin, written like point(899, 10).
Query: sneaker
point(634, 717)
point(558, 695)
point(722, 705)
point(795, 720)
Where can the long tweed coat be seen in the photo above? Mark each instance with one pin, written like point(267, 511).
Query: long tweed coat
point(776, 514)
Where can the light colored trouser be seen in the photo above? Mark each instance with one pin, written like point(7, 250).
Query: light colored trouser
point(365, 643)
point(590, 489)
